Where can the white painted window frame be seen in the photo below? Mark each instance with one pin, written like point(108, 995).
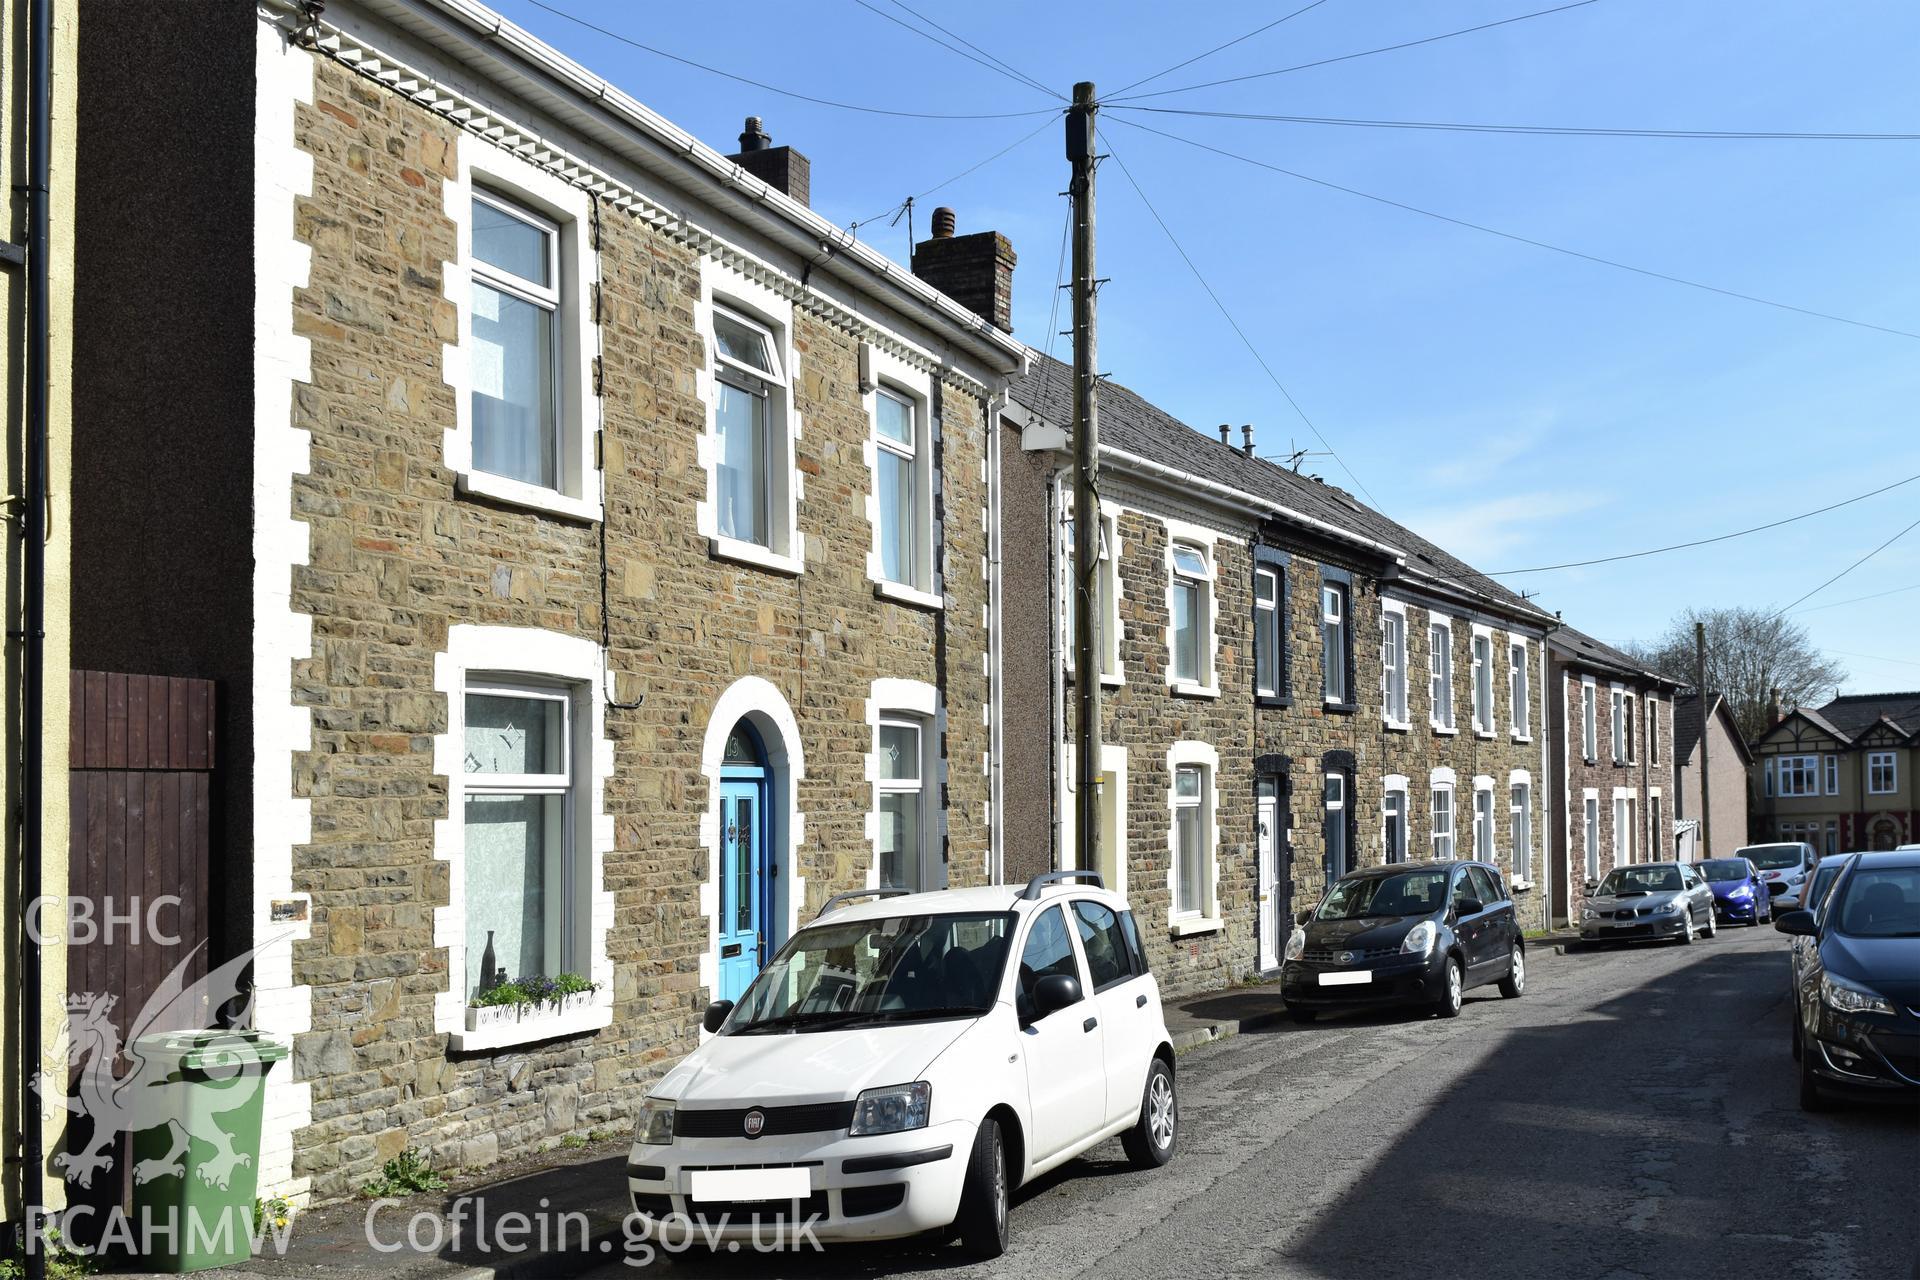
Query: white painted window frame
point(1626, 803)
point(1205, 916)
point(1204, 541)
point(1590, 831)
point(1519, 689)
point(1440, 675)
point(481, 168)
point(1269, 628)
point(1617, 724)
point(895, 376)
point(1806, 768)
point(1520, 827)
point(1589, 720)
point(1830, 773)
point(1480, 667)
point(746, 299)
point(1445, 840)
point(1394, 693)
point(492, 657)
point(1395, 785)
point(1891, 759)
point(1485, 819)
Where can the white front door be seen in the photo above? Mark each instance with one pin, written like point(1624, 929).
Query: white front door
point(1272, 927)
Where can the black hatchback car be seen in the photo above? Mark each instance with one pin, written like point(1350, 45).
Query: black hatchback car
point(1857, 992)
point(1408, 933)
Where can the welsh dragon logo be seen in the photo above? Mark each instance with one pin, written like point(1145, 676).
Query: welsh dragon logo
point(90, 1047)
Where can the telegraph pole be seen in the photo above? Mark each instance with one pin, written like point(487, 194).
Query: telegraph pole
point(1086, 475)
point(1706, 774)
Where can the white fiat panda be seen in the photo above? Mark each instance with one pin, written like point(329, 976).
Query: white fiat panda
point(902, 1064)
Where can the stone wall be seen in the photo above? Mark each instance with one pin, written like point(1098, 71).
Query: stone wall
point(399, 556)
point(1604, 775)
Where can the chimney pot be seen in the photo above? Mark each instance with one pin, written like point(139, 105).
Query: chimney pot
point(754, 138)
point(1246, 439)
point(1226, 434)
point(943, 223)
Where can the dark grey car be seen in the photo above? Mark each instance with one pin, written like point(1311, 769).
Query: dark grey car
point(1647, 902)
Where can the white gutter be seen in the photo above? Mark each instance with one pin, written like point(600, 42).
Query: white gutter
point(1242, 498)
point(803, 230)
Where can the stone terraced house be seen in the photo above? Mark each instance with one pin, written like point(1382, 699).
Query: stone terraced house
point(1241, 767)
point(590, 544)
point(1615, 775)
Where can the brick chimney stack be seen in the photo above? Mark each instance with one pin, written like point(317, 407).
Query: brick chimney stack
point(975, 270)
point(779, 167)
point(1775, 713)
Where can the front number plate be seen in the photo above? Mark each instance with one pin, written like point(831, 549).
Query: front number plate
point(750, 1184)
point(1349, 979)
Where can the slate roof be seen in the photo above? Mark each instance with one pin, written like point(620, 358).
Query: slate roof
point(1582, 648)
point(1131, 423)
point(1855, 713)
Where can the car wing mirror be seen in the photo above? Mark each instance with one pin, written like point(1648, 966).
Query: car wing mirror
point(1304, 916)
point(1469, 906)
point(1592, 885)
point(1053, 993)
point(716, 1015)
point(1799, 923)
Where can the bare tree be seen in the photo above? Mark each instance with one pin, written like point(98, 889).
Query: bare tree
point(1750, 653)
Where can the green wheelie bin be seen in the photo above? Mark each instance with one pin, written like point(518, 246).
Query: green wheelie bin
point(196, 1156)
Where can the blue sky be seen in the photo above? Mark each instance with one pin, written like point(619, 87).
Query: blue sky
point(1518, 406)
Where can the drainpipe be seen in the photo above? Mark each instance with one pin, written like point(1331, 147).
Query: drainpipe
point(996, 648)
point(33, 505)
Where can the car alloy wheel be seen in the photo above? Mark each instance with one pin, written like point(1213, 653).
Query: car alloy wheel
point(1451, 1001)
point(1150, 1142)
point(1515, 983)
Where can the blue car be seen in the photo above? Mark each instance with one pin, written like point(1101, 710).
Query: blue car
point(1739, 894)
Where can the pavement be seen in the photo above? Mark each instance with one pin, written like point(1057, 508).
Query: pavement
point(1633, 1115)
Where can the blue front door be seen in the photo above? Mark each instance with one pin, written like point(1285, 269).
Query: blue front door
point(746, 904)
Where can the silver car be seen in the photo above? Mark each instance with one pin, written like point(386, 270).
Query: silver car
point(1647, 902)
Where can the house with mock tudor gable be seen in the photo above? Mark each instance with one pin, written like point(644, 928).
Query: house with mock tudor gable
point(1841, 777)
point(1294, 685)
point(591, 546)
point(1611, 730)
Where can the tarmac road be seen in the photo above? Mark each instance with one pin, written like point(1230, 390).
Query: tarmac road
point(1633, 1115)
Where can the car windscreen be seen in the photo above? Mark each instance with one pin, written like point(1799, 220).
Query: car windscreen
point(1723, 869)
point(1774, 857)
point(1882, 902)
point(1822, 881)
point(1411, 893)
point(1628, 880)
point(887, 969)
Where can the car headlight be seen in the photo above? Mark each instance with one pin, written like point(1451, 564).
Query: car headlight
point(1588, 913)
point(1296, 944)
point(1740, 891)
point(1848, 997)
point(656, 1123)
point(893, 1109)
point(1420, 939)
point(1676, 905)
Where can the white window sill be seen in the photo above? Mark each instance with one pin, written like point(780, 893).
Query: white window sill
point(1485, 735)
point(900, 593)
point(519, 493)
point(1398, 726)
point(1523, 737)
point(1185, 926)
point(532, 1030)
point(1520, 886)
point(1187, 689)
point(752, 553)
point(1443, 731)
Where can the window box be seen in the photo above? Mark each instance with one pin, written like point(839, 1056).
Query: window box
point(492, 1016)
point(529, 1029)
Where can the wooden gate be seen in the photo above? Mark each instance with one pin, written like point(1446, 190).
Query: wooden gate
point(140, 777)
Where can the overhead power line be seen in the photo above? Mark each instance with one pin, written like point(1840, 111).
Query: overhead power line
point(1167, 71)
point(1348, 57)
point(1835, 604)
point(890, 210)
point(1014, 76)
point(1567, 131)
point(1849, 569)
point(1520, 239)
point(1701, 542)
point(1245, 340)
point(785, 93)
point(1002, 63)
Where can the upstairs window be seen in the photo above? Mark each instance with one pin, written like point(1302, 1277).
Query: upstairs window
point(1393, 667)
point(896, 463)
point(1266, 632)
point(1190, 595)
point(1335, 659)
point(1518, 690)
point(751, 394)
point(1832, 764)
point(1619, 723)
point(515, 364)
point(1589, 731)
point(1799, 775)
point(1106, 620)
point(1883, 773)
point(1482, 682)
point(1632, 735)
point(1653, 730)
point(1440, 674)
